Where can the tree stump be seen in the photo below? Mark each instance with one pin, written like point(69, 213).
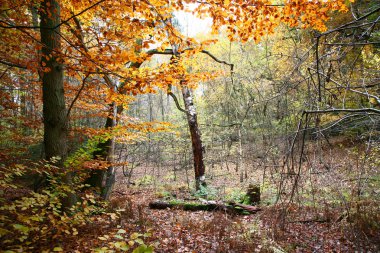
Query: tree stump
point(253, 193)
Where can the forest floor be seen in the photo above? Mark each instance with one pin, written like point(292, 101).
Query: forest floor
point(313, 222)
point(175, 230)
point(303, 226)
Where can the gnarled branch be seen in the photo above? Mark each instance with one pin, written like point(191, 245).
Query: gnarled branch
point(176, 101)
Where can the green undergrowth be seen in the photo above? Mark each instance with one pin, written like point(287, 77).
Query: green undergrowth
point(121, 241)
point(38, 221)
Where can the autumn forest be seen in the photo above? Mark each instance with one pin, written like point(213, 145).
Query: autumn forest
point(190, 126)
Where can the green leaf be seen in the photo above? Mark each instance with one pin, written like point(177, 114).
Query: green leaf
point(57, 249)
point(124, 248)
point(121, 231)
point(143, 249)
point(121, 245)
point(21, 228)
point(147, 234)
point(135, 236)
point(101, 250)
point(149, 249)
point(118, 237)
point(139, 241)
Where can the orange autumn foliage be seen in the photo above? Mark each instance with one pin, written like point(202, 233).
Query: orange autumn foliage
point(107, 38)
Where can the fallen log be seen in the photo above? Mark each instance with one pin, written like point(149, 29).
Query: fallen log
point(159, 204)
point(248, 208)
point(205, 206)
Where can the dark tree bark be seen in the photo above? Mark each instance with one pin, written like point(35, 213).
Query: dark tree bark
point(109, 154)
point(199, 167)
point(54, 109)
point(103, 180)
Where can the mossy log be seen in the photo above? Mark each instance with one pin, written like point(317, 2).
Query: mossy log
point(205, 206)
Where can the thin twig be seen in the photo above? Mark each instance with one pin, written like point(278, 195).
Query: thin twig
point(12, 26)
point(366, 94)
point(353, 43)
point(335, 110)
point(344, 26)
point(77, 95)
point(318, 77)
point(171, 52)
point(5, 71)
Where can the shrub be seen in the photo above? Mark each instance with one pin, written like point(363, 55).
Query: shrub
point(32, 221)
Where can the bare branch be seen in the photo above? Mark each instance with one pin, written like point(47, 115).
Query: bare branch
point(353, 43)
point(342, 119)
point(366, 94)
point(335, 110)
point(77, 95)
point(318, 76)
point(79, 13)
point(217, 60)
point(218, 125)
point(176, 101)
point(170, 52)
point(10, 64)
point(346, 26)
point(13, 26)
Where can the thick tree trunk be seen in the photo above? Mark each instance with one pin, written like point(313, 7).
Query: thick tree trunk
point(54, 109)
point(111, 170)
point(199, 167)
